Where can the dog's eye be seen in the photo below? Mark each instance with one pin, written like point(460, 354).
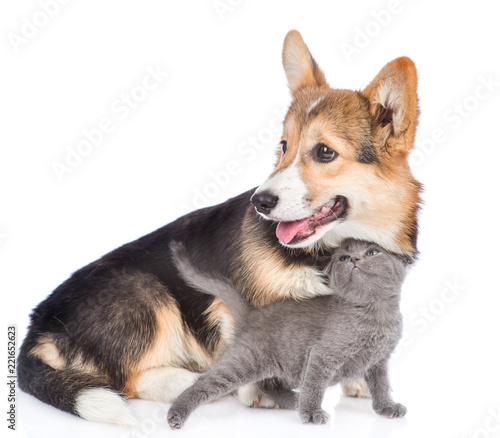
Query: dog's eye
point(324, 154)
point(344, 258)
point(283, 146)
point(372, 252)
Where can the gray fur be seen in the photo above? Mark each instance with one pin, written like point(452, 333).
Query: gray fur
point(310, 344)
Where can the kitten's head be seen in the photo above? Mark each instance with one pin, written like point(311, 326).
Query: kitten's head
point(363, 271)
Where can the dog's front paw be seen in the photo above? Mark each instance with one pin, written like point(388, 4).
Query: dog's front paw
point(176, 418)
point(318, 416)
point(396, 410)
point(249, 395)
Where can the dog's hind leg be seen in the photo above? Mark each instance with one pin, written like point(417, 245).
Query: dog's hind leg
point(251, 396)
point(278, 391)
point(355, 388)
point(164, 384)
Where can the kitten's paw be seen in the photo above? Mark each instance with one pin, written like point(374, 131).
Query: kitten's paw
point(397, 410)
point(249, 395)
point(356, 388)
point(176, 418)
point(314, 417)
point(175, 421)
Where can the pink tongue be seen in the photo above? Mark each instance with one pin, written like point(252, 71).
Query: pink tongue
point(286, 231)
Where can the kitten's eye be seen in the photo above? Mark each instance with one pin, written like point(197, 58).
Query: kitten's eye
point(372, 252)
point(324, 154)
point(283, 146)
point(344, 258)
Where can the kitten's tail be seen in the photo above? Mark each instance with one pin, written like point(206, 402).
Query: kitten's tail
point(215, 285)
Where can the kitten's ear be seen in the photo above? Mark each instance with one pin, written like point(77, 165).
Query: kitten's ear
point(300, 68)
point(394, 107)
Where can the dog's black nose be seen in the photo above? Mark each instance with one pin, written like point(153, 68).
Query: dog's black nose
point(264, 202)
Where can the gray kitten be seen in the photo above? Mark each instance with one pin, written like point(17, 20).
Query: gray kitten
point(309, 344)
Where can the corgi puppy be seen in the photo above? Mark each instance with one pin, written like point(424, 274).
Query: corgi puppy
point(127, 325)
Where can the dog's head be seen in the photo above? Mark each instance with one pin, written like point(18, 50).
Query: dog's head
point(341, 168)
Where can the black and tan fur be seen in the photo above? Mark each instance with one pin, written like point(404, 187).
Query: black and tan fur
point(129, 314)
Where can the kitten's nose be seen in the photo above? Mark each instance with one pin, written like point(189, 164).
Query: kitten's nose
point(355, 259)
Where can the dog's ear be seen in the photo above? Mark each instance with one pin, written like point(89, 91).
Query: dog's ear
point(394, 107)
point(300, 68)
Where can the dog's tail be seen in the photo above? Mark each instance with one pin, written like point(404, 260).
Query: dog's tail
point(89, 396)
point(217, 286)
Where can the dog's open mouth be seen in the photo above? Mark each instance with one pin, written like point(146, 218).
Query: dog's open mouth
point(296, 231)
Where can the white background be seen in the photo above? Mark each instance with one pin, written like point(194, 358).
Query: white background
point(225, 83)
